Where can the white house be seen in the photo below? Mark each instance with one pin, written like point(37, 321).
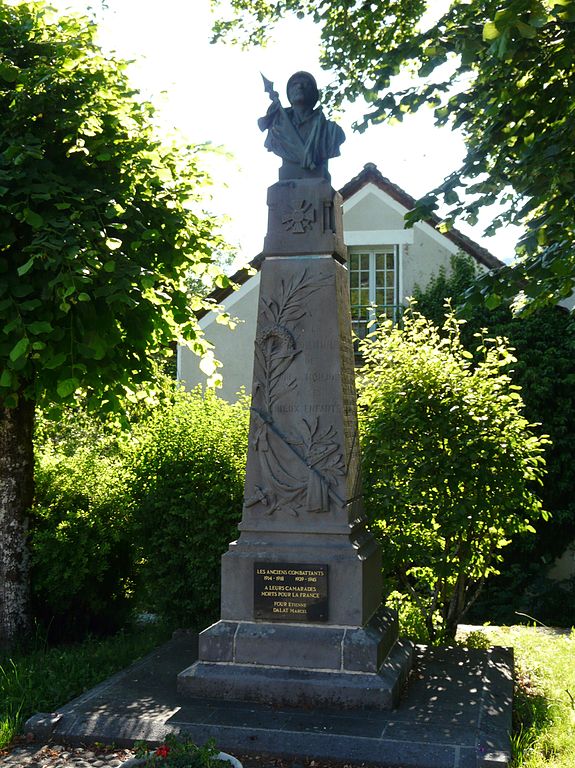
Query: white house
point(385, 260)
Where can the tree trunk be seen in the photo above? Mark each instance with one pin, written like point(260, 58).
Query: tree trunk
point(455, 608)
point(16, 494)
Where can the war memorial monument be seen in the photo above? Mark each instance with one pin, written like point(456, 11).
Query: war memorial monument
point(305, 661)
point(301, 615)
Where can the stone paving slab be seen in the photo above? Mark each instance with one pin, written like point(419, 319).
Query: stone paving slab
point(455, 713)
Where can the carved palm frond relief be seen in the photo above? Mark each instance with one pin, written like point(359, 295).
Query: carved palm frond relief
point(299, 468)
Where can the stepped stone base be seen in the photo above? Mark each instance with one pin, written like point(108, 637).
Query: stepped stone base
point(301, 665)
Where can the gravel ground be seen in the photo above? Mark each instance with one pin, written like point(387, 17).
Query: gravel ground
point(57, 756)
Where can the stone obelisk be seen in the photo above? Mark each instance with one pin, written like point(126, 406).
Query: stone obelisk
point(301, 618)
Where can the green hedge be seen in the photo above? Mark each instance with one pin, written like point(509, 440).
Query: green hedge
point(137, 518)
point(189, 464)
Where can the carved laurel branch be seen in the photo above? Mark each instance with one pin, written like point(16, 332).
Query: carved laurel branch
point(274, 352)
point(320, 449)
point(288, 306)
point(275, 348)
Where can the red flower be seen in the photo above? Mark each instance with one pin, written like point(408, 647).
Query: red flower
point(163, 750)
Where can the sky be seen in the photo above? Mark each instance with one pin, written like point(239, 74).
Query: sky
point(214, 93)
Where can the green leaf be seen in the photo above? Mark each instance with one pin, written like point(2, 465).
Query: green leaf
point(9, 72)
point(30, 305)
point(16, 322)
point(19, 349)
point(526, 30)
point(222, 281)
point(110, 266)
point(33, 219)
point(26, 267)
point(490, 31)
point(39, 326)
point(113, 243)
point(6, 378)
point(11, 400)
point(56, 361)
point(67, 387)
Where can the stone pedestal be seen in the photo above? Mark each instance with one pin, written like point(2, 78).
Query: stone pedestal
point(304, 217)
point(301, 620)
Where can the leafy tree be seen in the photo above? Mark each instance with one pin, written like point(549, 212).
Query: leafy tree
point(501, 72)
point(451, 287)
point(450, 462)
point(544, 345)
point(99, 226)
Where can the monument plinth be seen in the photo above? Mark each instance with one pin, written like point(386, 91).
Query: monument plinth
point(307, 207)
point(301, 616)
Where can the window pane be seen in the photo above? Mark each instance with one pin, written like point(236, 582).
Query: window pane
point(380, 260)
point(364, 296)
point(371, 300)
point(380, 279)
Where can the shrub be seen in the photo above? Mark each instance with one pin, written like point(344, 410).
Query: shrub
point(82, 560)
point(544, 347)
point(136, 516)
point(449, 462)
point(188, 464)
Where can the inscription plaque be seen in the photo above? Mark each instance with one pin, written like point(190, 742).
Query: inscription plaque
point(290, 592)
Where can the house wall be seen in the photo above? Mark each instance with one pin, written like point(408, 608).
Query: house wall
point(564, 566)
point(233, 348)
point(370, 218)
point(368, 212)
point(423, 259)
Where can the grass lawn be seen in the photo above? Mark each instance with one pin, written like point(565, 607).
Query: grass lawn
point(544, 704)
point(45, 678)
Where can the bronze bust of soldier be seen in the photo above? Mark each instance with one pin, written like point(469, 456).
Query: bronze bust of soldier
point(301, 135)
